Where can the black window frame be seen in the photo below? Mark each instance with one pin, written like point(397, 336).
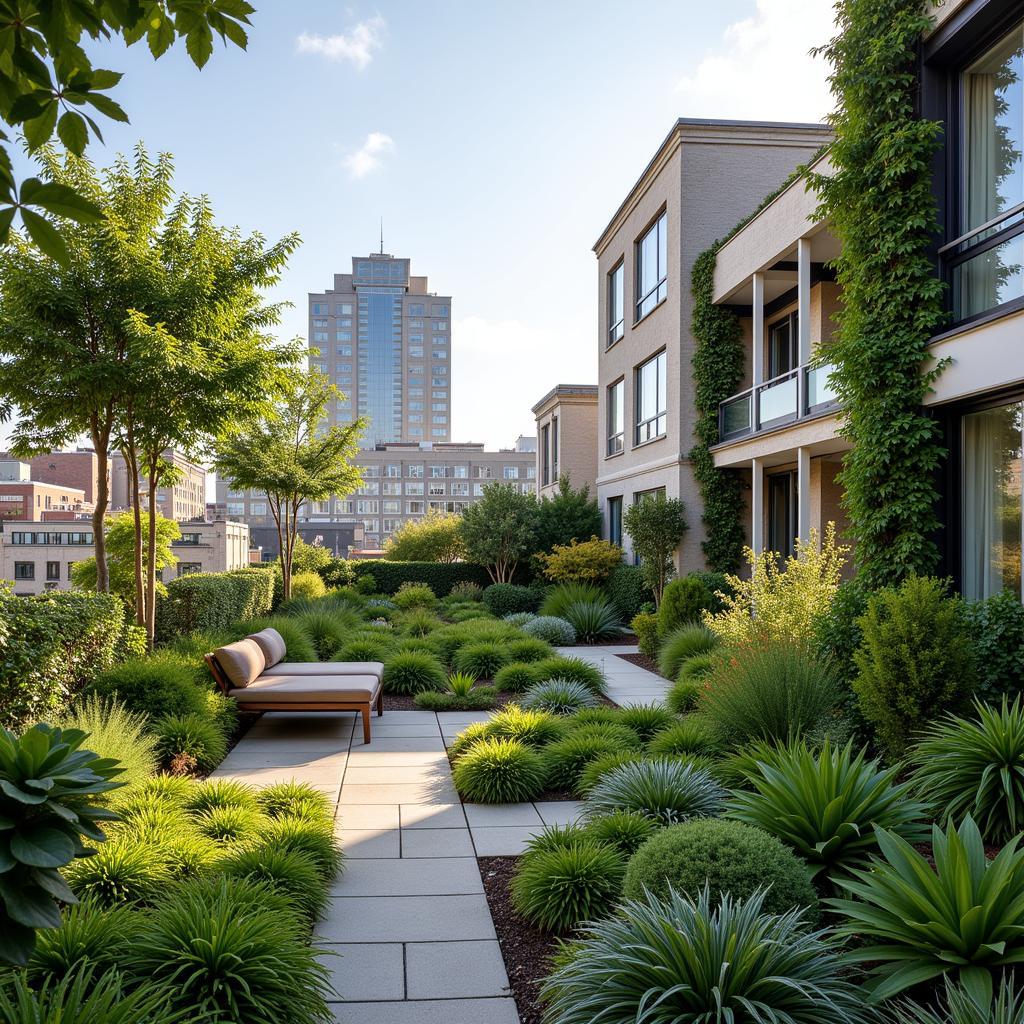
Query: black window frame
point(21, 574)
point(615, 444)
point(616, 330)
point(662, 414)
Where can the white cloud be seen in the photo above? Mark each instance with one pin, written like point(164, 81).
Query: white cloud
point(357, 47)
point(763, 69)
point(368, 157)
point(502, 368)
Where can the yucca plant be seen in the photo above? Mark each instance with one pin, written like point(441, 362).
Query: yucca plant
point(826, 804)
point(499, 771)
point(680, 959)
point(560, 888)
point(975, 766)
point(959, 1006)
point(559, 598)
point(664, 790)
point(594, 621)
point(559, 696)
point(963, 916)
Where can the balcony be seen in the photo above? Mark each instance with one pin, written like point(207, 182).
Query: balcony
point(790, 397)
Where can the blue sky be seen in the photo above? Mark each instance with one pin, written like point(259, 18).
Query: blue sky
point(494, 139)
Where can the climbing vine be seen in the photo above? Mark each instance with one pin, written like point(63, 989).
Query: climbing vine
point(880, 204)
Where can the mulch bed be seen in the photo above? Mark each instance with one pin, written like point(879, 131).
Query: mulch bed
point(525, 949)
point(643, 661)
point(403, 702)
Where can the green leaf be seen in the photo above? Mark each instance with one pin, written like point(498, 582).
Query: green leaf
point(160, 36)
point(65, 202)
point(42, 847)
point(29, 905)
point(199, 44)
point(72, 132)
point(39, 130)
point(16, 793)
point(105, 105)
point(17, 941)
point(6, 219)
point(47, 238)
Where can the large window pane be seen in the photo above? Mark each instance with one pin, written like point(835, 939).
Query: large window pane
point(992, 502)
point(989, 279)
point(616, 417)
point(616, 303)
point(651, 399)
point(652, 267)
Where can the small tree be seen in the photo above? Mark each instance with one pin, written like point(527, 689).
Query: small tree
point(570, 515)
point(589, 561)
point(121, 538)
point(437, 537)
point(656, 526)
point(500, 529)
point(287, 452)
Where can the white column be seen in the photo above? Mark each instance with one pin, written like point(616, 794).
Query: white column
point(757, 329)
point(757, 505)
point(803, 489)
point(803, 298)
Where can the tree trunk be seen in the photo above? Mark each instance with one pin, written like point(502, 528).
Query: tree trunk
point(131, 460)
point(275, 511)
point(151, 554)
point(99, 433)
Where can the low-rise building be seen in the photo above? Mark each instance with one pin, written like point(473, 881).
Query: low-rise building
point(182, 500)
point(217, 546)
point(79, 468)
point(32, 500)
point(567, 437)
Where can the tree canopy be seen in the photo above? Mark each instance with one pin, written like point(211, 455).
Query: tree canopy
point(568, 515)
point(499, 530)
point(437, 537)
point(656, 526)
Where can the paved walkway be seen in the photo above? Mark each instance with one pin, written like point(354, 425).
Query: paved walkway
point(627, 683)
point(408, 917)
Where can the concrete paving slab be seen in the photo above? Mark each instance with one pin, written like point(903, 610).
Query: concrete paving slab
point(505, 841)
point(401, 729)
point(405, 919)
point(364, 816)
point(441, 876)
point(393, 744)
point(438, 791)
point(433, 815)
point(439, 1011)
point(429, 974)
point(436, 842)
point(364, 843)
point(492, 815)
point(559, 812)
point(366, 970)
point(375, 775)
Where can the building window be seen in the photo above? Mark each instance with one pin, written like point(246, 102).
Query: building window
point(391, 507)
point(782, 513)
point(482, 472)
point(188, 538)
point(616, 302)
point(651, 399)
point(414, 508)
point(545, 455)
point(258, 508)
point(415, 309)
point(343, 309)
point(991, 498)
point(236, 508)
point(988, 264)
point(510, 472)
point(24, 570)
point(437, 310)
point(652, 267)
point(53, 570)
point(554, 448)
point(615, 520)
point(436, 489)
point(185, 568)
point(320, 308)
point(616, 417)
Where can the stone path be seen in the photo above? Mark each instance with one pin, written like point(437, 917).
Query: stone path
point(627, 683)
point(408, 918)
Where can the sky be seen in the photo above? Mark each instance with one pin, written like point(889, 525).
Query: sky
point(494, 140)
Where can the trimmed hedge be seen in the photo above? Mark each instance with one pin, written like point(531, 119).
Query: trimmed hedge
point(51, 645)
point(440, 576)
point(213, 600)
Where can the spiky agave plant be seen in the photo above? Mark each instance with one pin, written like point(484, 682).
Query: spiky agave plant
point(662, 789)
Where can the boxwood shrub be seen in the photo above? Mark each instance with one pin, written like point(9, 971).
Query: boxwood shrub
point(503, 599)
point(440, 576)
point(212, 600)
point(163, 684)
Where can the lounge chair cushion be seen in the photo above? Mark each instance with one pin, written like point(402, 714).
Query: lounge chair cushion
point(271, 644)
point(274, 688)
point(329, 668)
point(242, 662)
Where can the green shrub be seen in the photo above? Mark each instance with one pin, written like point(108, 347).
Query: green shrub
point(222, 711)
point(194, 735)
point(467, 591)
point(683, 696)
point(162, 684)
point(825, 804)
point(575, 670)
point(326, 630)
point(49, 790)
point(701, 960)
point(727, 857)
point(50, 647)
point(173, 789)
point(594, 770)
point(565, 759)
point(558, 599)
point(386, 576)
point(627, 590)
point(698, 667)
point(480, 698)
point(528, 649)
point(467, 738)
point(600, 715)
point(612, 730)
point(975, 766)
point(664, 790)
point(679, 646)
point(229, 824)
point(413, 672)
point(514, 678)
point(551, 630)
point(159, 826)
point(467, 614)
point(365, 649)
point(536, 728)
point(646, 719)
point(997, 626)
point(120, 871)
point(89, 936)
point(645, 626)
point(420, 623)
point(558, 696)
point(593, 621)
point(519, 618)
point(234, 949)
point(626, 831)
point(916, 660)
point(558, 889)
point(770, 693)
point(554, 837)
point(496, 770)
point(308, 584)
point(294, 800)
point(836, 635)
point(415, 595)
point(691, 735)
point(114, 733)
point(502, 599)
point(481, 659)
point(682, 602)
point(83, 997)
point(311, 836)
point(962, 914)
point(291, 873)
point(209, 601)
point(297, 641)
point(718, 585)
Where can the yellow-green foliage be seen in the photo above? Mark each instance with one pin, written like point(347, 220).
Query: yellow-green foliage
point(779, 604)
point(588, 561)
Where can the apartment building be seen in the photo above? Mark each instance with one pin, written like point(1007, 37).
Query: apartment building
point(79, 468)
point(567, 437)
point(31, 500)
point(782, 430)
point(216, 546)
point(183, 500)
point(385, 340)
point(402, 482)
point(704, 178)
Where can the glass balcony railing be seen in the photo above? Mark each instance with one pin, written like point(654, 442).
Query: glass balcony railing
point(791, 396)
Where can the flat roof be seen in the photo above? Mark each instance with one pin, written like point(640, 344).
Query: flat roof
point(566, 389)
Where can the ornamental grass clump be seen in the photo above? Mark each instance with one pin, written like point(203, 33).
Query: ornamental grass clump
point(701, 959)
point(561, 888)
point(559, 696)
point(595, 769)
point(565, 759)
point(528, 649)
point(327, 630)
point(294, 800)
point(497, 770)
point(196, 736)
point(221, 793)
point(727, 857)
point(915, 922)
point(413, 672)
point(664, 790)
point(691, 640)
point(576, 670)
point(559, 598)
point(122, 871)
point(310, 836)
point(646, 719)
point(684, 695)
point(535, 728)
point(593, 621)
point(825, 804)
point(690, 735)
point(292, 873)
point(515, 678)
point(482, 659)
point(975, 766)
point(90, 935)
point(626, 831)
